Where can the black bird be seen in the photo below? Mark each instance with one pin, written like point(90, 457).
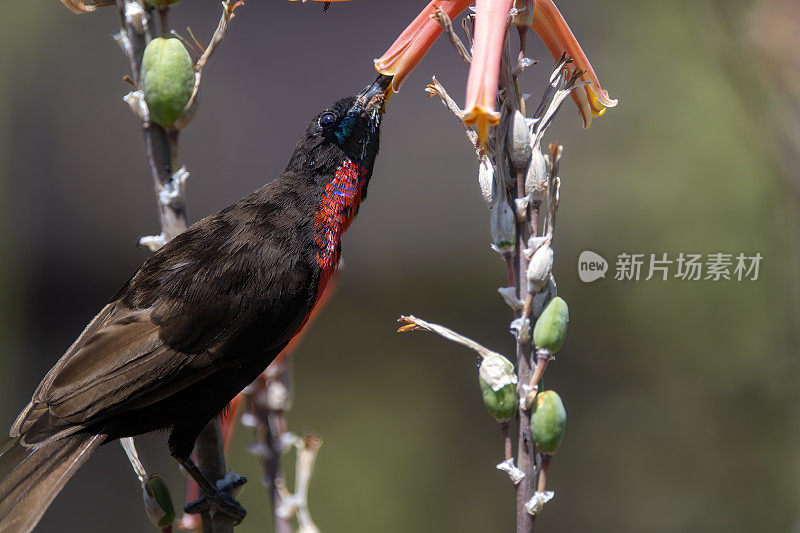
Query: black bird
point(200, 320)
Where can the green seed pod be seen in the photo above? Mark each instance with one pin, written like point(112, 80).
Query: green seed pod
point(548, 422)
point(551, 328)
point(158, 502)
point(167, 80)
point(160, 3)
point(499, 387)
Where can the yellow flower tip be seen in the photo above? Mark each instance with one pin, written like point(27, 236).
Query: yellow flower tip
point(482, 118)
point(395, 69)
point(430, 90)
point(477, 113)
point(381, 66)
point(604, 98)
point(590, 105)
point(599, 101)
point(397, 79)
point(597, 109)
point(398, 62)
point(483, 137)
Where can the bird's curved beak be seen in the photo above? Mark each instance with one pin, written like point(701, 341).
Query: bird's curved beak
point(376, 94)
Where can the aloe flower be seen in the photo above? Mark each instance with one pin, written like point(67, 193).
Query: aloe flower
point(551, 27)
point(484, 72)
point(490, 28)
point(415, 41)
point(549, 24)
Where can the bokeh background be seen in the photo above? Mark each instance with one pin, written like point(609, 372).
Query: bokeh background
point(682, 396)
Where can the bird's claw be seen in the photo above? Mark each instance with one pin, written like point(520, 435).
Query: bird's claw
point(220, 502)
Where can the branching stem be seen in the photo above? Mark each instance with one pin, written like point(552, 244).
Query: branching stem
point(447, 25)
point(162, 155)
point(412, 323)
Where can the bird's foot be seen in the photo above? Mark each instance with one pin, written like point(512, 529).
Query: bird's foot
point(221, 501)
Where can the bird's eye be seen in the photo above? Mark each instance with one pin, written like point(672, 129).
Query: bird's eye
point(326, 120)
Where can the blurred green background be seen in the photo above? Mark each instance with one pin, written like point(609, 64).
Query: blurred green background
point(682, 396)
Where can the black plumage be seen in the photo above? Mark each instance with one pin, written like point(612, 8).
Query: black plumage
point(200, 320)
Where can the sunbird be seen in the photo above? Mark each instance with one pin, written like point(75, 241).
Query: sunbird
point(200, 320)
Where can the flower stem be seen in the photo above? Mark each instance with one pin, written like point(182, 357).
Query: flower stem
point(162, 155)
point(545, 460)
point(505, 430)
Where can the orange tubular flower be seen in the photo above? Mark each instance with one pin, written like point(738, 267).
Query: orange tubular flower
point(551, 27)
point(490, 32)
point(490, 24)
point(415, 41)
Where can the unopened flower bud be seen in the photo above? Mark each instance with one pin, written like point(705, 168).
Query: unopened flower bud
point(168, 79)
point(499, 387)
point(536, 177)
point(158, 502)
point(548, 422)
point(539, 268)
point(519, 141)
point(550, 330)
point(486, 181)
point(503, 225)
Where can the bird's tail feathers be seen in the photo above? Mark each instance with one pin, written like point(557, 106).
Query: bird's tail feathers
point(32, 476)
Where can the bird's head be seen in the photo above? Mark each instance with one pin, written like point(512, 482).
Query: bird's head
point(348, 129)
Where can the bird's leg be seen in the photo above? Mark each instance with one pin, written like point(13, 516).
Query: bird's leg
point(214, 499)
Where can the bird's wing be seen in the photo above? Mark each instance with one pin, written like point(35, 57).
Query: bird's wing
point(169, 328)
point(121, 362)
point(32, 411)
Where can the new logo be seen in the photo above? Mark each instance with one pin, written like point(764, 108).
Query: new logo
point(591, 266)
